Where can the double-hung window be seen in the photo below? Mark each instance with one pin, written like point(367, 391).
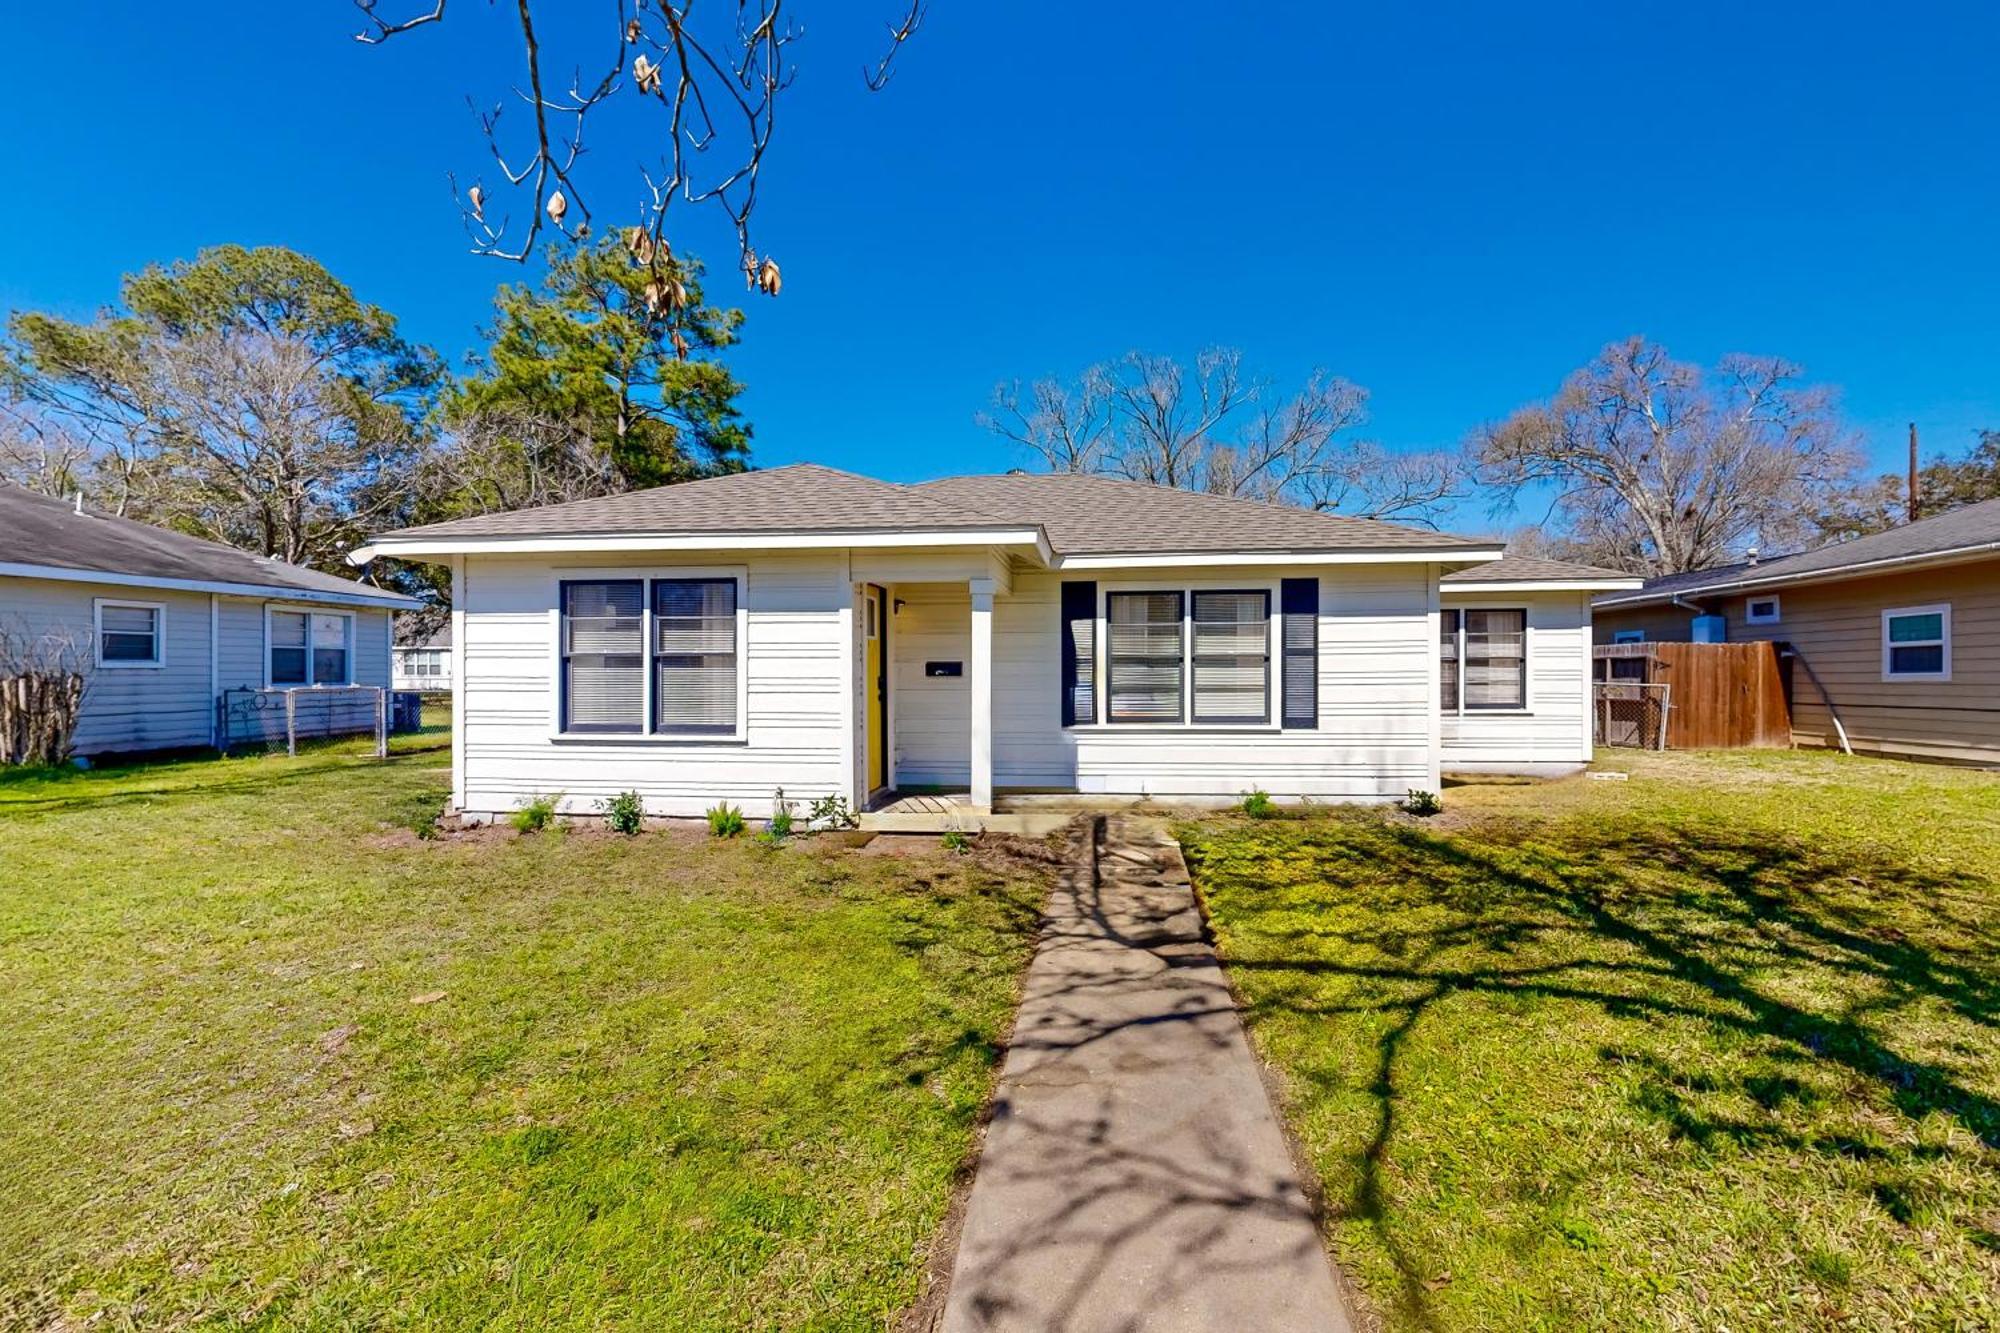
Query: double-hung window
point(1483, 660)
point(129, 634)
point(1200, 656)
point(659, 655)
point(1147, 656)
point(1232, 657)
point(1916, 643)
point(694, 656)
point(309, 647)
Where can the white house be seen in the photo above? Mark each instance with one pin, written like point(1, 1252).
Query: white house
point(167, 627)
point(828, 633)
point(424, 663)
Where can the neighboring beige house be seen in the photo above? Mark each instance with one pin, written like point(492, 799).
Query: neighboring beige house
point(1893, 639)
point(836, 635)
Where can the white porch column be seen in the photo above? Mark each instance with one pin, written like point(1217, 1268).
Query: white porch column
point(982, 693)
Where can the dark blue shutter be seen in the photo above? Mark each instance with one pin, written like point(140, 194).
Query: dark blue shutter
point(1299, 605)
point(1079, 653)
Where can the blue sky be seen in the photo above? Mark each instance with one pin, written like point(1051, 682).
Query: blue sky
point(1453, 204)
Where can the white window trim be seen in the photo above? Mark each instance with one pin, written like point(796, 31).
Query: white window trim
point(646, 735)
point(308, 610)
point(1527, 705)
point(1750, 616)
point(1940, 609)
point(1187, 588)
point(159, 657)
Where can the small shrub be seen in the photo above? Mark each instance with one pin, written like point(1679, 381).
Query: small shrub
point(956, 842)
point(1421, 802)
point(1258, 805)
point(536, 813)
point(830, 812)
point(624, 813)
point(724, 821)
point(780, 826)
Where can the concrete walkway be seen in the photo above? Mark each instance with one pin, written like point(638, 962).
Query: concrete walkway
point(1134, 1177)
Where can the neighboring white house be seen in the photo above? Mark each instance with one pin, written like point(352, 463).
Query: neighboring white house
point(832, 634)
point(425, 664)
point(164, 626)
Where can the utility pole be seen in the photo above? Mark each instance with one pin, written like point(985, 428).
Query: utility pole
point(1913, 514)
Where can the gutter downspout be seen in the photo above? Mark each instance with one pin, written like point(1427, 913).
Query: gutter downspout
point(1792, 650)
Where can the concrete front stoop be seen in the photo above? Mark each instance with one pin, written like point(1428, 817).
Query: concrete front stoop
point(1134, 1176)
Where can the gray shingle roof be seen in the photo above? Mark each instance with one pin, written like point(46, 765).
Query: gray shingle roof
point(803, 497)
point(1968, 529)
point(1092, 515)
point(36, 530)
point(1532, 569)
point(1079, 514)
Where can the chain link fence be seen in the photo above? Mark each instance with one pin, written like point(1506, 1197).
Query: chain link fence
point(1631, 713)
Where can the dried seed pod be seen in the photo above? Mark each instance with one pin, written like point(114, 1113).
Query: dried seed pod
point(557, 207)
point(646, 74)
point(477, 198)
point(640, 242)
point(768, 279)
point(680, 346)
point(655, 295)
point(632, 31)
point(677, 295)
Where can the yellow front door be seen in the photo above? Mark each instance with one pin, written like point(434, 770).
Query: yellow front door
point(876, 686)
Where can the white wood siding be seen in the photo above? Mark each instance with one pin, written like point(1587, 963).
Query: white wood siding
point(1553, 733)
point(932, 736)
point(798, 654)
point(1373, 739)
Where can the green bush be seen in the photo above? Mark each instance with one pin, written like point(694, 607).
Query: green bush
point(536, 813)
point(624, 812)
point(830, 812)
point(956, 841)
point(1258, 804)
point(1421, 802)
point(724, 821)
point(780, 826)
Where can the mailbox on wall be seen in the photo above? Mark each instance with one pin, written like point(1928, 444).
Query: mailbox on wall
point(944, 668)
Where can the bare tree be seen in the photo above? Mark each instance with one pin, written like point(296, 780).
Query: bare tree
point(1215, 428)
point(711, 81)
point(44, 674)
point(1660, 469)
point(43, 454)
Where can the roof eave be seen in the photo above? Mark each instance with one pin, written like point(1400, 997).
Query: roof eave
point(1471, 587)
point(1461, 557)
point(1838, 574)
point(361, 596)
point(426, 548)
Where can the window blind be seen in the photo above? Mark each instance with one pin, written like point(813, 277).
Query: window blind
point(1496, 659)
point(694, 655)
point(1079, 653)
point(603, 652)
point(1232, 657)
point(1448, 653)
point(1145, 656)
point(1299, 605)
point(129, 633)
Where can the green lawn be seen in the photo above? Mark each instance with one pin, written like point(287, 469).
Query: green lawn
point(271, 1061)
point(1713, 1048)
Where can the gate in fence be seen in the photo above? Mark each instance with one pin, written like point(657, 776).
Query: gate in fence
point(1690, 696)
point(1631, 713)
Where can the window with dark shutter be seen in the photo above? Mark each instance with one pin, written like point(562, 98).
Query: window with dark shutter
point(1079, 653)
point(1299, 603)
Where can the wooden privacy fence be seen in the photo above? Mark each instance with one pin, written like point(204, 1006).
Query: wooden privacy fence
point(1723, 695)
